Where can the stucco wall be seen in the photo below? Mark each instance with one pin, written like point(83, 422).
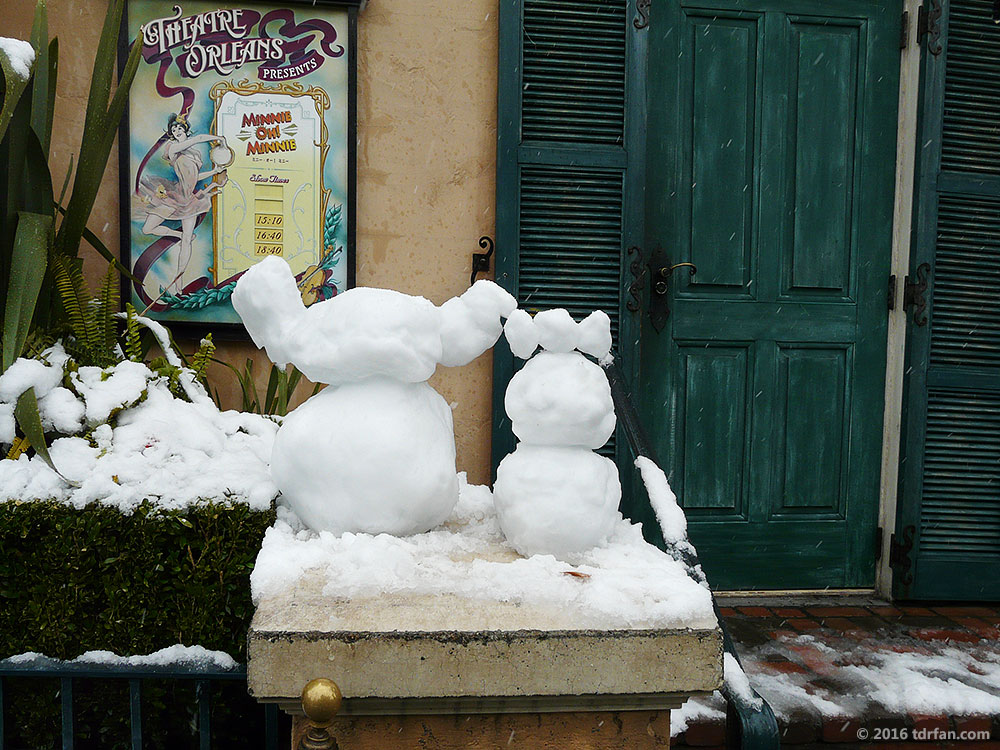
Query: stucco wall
point(426, 163)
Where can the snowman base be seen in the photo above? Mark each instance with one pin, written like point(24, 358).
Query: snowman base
point(556, 500)
point(376, 456)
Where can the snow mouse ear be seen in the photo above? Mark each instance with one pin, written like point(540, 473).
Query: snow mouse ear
point(595, 335)
point(521, 334)
point(470, 324)
point(268, 301)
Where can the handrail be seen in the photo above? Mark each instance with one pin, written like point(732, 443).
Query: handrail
point(750, 724)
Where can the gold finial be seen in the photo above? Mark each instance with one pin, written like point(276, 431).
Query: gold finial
point(321, 700)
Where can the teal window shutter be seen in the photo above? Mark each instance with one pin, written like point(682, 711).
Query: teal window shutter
point(569, 166)
point(951, 464)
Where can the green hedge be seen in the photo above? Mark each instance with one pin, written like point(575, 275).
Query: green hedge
point(73, 580)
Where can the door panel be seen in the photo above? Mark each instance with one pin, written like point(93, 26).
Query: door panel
point(771, 156)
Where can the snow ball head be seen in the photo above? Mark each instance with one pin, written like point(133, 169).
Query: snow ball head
point(556, 501)
point(561, 399)
point(373, 457)
point(557, 331)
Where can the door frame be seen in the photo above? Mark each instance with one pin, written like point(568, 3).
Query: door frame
point(902, 234)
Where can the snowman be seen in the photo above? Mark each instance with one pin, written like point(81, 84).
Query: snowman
point(374, 452)
point(553, 494)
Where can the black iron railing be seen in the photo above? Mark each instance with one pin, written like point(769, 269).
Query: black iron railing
point(67, 673)
point(750, 723)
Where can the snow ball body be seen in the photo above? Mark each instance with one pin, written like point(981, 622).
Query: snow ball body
point(561, 399)
point(377, 456)
point(556, 501)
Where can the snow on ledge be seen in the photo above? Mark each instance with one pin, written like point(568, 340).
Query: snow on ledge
point(178, 655)
point(625, 583)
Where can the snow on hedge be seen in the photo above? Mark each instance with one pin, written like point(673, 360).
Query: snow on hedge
point(623, 583)
point(128, 438)
point(177, 655)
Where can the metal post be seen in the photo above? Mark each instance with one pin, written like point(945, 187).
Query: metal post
point(203, 691)
point(135, 712)
point(66, 695)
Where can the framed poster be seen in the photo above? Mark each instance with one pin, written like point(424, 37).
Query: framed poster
point(238, 143)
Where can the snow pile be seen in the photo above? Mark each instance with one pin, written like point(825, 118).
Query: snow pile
point(625, 583)
point(129, 439)
point(20, 55)
point(172, 656)
point(672, 521)
point(386, 458)
point(379, 423)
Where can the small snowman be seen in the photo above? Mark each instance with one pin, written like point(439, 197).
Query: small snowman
point(374, 452)
point(553, 494)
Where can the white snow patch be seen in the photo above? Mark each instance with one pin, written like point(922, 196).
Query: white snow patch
point(736, 681)
point(664, 501)
point(521, 335)
point(557, 331)
point(20, 54)
point(631, 584)
point(701, 708)
point(61, 411)
point(28, 373)
point(105, 392)
point(171, 452)
point(176, 655)
point(7, 425)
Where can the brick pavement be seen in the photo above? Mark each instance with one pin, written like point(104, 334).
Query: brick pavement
point(809, 659)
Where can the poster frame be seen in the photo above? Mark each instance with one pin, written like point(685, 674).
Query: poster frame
point(219, 329)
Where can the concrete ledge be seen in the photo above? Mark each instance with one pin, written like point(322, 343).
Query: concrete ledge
point(386, 659)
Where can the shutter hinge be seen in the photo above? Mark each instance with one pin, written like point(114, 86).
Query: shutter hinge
point(899, 555)
point(913, 294)
point(929, 25)
point(904, 31)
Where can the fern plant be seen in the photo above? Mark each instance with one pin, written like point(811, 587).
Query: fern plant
point(91, 318)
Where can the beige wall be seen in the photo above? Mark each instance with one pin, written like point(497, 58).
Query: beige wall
point(426, 160)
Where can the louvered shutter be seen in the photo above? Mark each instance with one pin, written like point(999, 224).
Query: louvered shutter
point(568, 163)
point(951, 469)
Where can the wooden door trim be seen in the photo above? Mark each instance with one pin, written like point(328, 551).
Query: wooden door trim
point(902, 233)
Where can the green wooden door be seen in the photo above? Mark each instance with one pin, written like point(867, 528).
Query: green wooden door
point(950, 494)
point(770, 165)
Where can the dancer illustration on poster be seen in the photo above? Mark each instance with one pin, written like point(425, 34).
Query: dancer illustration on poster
point(182, 200)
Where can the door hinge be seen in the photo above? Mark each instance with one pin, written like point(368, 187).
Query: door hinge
point(904, 30)
point(899, 555)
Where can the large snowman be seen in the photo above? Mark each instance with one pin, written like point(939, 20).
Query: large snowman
point(375, 451)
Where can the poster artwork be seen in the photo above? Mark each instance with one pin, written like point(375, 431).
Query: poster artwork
point(238, 138)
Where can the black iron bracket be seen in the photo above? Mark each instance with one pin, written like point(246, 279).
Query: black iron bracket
point(638, 269)
point(899, 555)
point(641, 20)
point(913, 294)
point(481, 261)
